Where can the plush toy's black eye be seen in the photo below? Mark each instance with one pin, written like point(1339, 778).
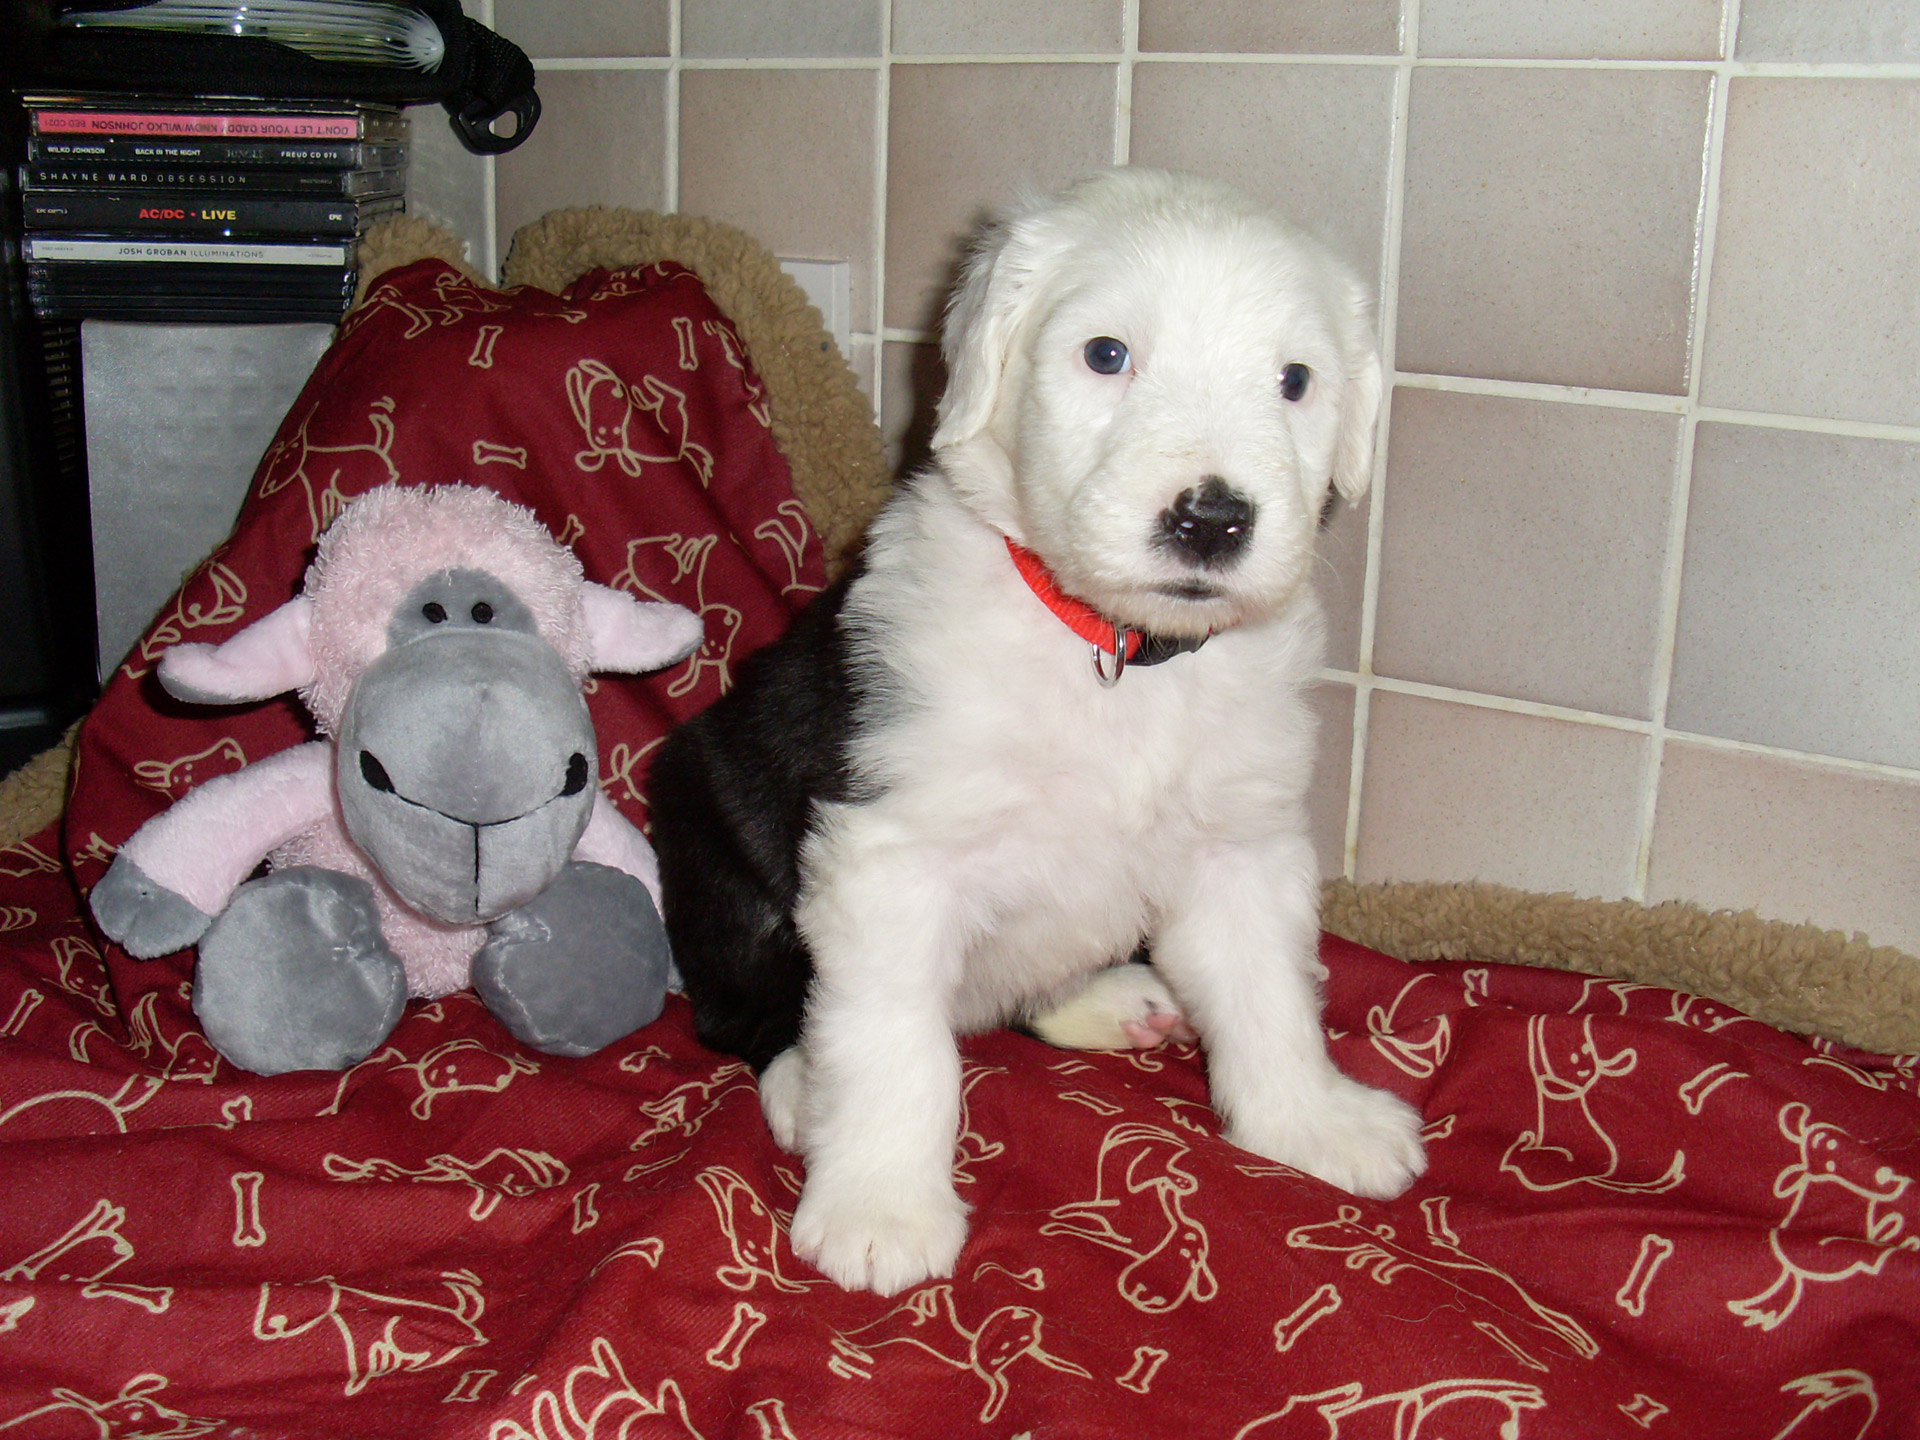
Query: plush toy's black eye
point(435, 612)
point(1293, 381)
point(576, 774)
point(1105, 355)
point(374, 773)
point(482, 612)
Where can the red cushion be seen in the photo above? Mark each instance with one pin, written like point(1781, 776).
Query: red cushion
point(621, 412)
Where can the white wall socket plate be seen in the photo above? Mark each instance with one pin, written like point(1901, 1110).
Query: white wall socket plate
point(829, 285)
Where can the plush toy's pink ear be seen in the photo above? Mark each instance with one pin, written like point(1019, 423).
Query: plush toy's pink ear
point(269, 657)
point(629, 635)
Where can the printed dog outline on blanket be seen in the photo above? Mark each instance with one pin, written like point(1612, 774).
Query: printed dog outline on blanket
point(1560, 1149)
point(228, 605)
point(502, 1171)
point(1831, 1176)
point(1422, 1056)
point(287, 461)
point(80, 1260)
point(133, 1412)
point(1828, 1391)
point(437, 1070)
point(383, 1334)
point(752, 1229)
point(607, 408)
point(988, 1350)
point(1411, 1409)
point(596, 1401)
point(685, 1108)
point(1138, 1209)
point(459, 297)
point(1377, 1250)
point(720, 622)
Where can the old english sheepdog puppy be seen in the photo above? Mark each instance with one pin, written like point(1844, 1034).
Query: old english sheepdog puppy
point(1054, 719)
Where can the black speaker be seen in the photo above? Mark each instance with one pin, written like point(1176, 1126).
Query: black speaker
point(46, 551)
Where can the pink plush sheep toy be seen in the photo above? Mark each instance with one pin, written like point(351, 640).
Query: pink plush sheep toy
point(450, 832)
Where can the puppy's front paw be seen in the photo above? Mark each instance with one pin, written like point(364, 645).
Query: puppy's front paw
point(1366, 1141)
point(879, 1237)
point(783, 1094)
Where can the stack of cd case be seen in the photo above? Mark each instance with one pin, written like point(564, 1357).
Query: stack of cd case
point(206, 210)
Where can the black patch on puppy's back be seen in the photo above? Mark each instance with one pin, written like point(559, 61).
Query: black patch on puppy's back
point(732, 794)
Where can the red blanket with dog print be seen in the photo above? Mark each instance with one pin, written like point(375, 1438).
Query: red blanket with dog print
point(1645, 1214)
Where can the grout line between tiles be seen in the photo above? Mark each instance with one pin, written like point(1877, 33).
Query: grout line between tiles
point(1645, 401)
point(1536, 390)
point(1388, 321)
point(670, 167)
point(1655, 403)
point(1811, 424)
point(1123, 82)
point(1705, 235)
point(1736, 69)
point(487, 262)
point(1599, 720)
point(1481, 700)
point(1840, 763)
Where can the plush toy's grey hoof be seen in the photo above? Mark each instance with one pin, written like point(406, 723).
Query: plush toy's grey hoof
point(578, 967)
point(144, 916)
point(295, 974)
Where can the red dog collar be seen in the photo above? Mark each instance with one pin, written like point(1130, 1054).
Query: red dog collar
point(1115, 646)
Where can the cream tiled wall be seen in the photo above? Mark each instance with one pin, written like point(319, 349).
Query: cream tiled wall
point(1634, 607)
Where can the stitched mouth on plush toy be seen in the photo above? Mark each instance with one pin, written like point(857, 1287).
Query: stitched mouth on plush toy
point(377, 778)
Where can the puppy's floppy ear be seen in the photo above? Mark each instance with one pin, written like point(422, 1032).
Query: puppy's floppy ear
point(998, 286)
point(1359, 397)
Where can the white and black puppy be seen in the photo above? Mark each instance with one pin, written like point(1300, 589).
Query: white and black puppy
point(1056, 715)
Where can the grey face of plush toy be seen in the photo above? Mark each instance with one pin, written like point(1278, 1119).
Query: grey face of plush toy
point(465, 758)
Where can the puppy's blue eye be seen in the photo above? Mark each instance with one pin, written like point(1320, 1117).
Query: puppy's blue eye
point(1293, 381)
point(1105, 355)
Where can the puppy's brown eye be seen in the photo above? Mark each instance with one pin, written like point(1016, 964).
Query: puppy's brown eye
point(1105, 355)
point(1293, 381)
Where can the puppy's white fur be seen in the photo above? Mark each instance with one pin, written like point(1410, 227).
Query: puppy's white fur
point(1025, 826)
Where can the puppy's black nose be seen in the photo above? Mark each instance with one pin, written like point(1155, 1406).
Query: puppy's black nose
point(1209, 525)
